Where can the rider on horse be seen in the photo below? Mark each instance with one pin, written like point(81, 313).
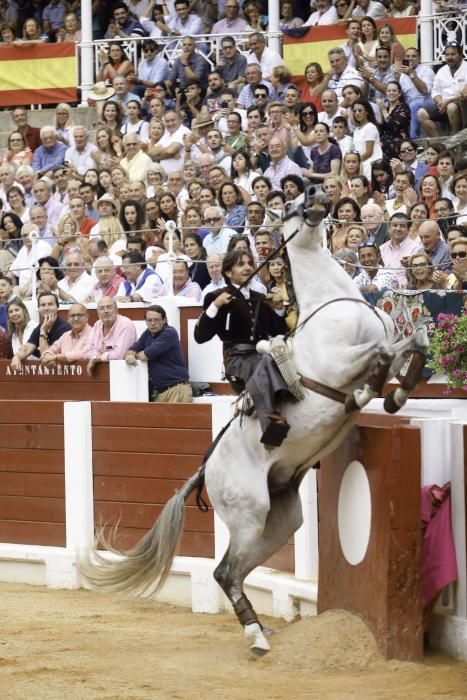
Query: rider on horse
point(241, 317)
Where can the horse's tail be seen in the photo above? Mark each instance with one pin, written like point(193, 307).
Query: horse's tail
point(144, 568)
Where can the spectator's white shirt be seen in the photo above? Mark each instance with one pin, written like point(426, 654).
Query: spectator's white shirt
point(324, 118)
point(149, 290)
point(409, 90)
point(81, 160)
point(329, 16)
point(141, 128)
point(447, 85)
point(176, 162)
point(21, 265)
point(374, 9)
point(270, 59)
point(79, 288)
point(212, 287)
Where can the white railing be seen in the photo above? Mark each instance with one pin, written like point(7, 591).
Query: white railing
point(448, 26)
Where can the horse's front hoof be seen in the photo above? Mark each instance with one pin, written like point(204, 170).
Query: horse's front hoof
point(390, 406)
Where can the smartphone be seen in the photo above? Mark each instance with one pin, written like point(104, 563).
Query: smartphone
point(405, 62)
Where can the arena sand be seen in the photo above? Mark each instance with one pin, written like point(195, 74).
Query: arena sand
point(70, 645)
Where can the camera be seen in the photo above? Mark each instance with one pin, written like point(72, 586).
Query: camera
point(406, 62)
point(224, 105)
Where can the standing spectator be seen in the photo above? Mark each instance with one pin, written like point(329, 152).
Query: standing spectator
point(418, 93)
point(51, 155)
point(112, 334)
point(160, 347)
point(74, 344)
point(366, 136)
point(51, 327)
point(447, 93)
point(396, 119)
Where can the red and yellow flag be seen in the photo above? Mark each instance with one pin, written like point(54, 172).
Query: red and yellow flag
point(38, 74)
point(315, 44)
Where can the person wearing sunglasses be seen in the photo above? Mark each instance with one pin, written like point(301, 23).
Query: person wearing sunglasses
point(459, 258)
point(152, 69)
point(217, 240)
point(448, 86)
point(407, 161)
point(420, 273)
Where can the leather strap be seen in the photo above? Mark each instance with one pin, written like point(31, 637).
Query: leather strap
point(324, 390)
point(244, 611)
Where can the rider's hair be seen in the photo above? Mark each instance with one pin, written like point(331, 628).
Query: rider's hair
point(233, 258)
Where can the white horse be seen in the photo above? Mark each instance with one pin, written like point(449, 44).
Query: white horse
point(341, 343)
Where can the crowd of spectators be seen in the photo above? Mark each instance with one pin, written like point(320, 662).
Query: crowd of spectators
point(188, 161)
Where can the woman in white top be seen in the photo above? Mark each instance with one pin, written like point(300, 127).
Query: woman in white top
point(366, 47)
point(366, 135)
point(133, 123)
point(242, 172)
point(20, 326)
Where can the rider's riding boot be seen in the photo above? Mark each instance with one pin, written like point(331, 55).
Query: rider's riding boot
point(275, 429)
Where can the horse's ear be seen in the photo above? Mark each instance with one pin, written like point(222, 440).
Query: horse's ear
point(273, 216)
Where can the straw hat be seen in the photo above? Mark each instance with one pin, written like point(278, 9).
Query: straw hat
point(107, 198)
point(101, 91)
point(202, 119)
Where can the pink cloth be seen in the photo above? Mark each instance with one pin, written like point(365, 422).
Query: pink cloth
point(439, 566)
point(116, 343)
point(74, 347)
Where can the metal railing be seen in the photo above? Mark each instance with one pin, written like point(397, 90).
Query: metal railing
point(448, 26)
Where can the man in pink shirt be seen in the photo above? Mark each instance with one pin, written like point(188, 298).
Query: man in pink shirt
point(399, 248)
point(74, 344)
point(112, 334)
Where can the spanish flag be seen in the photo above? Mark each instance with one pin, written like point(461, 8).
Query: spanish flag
point(38, 74)
point(315, 44)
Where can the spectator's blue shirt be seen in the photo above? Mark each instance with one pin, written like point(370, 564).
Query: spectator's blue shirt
point(165, 361)
point(45, 159)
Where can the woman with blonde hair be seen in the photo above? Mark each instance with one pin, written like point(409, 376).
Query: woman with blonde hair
point(18, 152)
point(68, 238)
point(20, 325)
point(108, 154)
point(420, 272)
point(356, 235)
point(281, 79)
point(63, 122)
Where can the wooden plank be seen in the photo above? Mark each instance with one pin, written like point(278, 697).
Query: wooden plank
point(429, 391)
point(141, 415)
point(151, 440)
point(131, 490)
point(59, 391)
point(45, 534)
point(192, 544)
point(143, 516)
point(33, 485)
point(31, 412)
point(73, 374)
point(32, 461)
point(51, 510)
point(369, 419)
point(39, 437)
point(139, 464)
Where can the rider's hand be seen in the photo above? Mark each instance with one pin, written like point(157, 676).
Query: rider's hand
point(222, 299)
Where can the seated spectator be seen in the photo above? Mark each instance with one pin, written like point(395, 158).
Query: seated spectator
point(288, 21)
point(231, 23)
point(420, 273)
point(18, 152)
point(373, 222)
point(108, 280)
point(74, 344)
point(47, 277)
point(261, 54)
point(160, 347)
point(6, 295)
point(218, 239)
point(83, 155)
point(252, 13)
point(314, 85)
point(50, 328)
point(77, 284)
point(141, 282)
point(42, 190)
point(214, 268)
point(341, 74)
point(135, 162)
point(193, 247)
point(152, 69)
point(134, 123)
point(6, 352)
point(70, 32)
point(30, 133)
point(20, 270)
point(25, 177)
point(113, 62)
point(7, 179)
point(182, 285)
point(189, 66)
point(123, 25)
point(326, 157)
point(185, 23)
point(77, 210)
point(231, 200)
point(121, 95)
point(368, 8)
point(458, 249)
point(446, 93)
point(400, 247)
point(418, 93)
point(324, 14)
point(232, 64)
point(112, 335)
point(348, 260)
point(20, 326)
point(254, 78)
point(53, 17)
point(434, 246)
point(51, 155)
point(281, 164)
point(459, 190)
point(373, 277)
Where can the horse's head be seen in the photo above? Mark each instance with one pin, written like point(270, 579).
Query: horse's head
point(311, 206)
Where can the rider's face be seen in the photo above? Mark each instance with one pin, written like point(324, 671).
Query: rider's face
point(240, 272)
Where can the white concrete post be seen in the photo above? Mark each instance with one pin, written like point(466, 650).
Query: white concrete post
point(79, 501)
point(425, 19)
point(86, 52)
point(436, 450)
point(306, 538)
point(128, 383)
point(273, 27)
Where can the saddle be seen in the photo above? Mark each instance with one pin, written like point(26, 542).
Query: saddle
point(281, 353)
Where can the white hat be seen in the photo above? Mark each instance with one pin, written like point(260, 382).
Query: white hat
point(101, 91)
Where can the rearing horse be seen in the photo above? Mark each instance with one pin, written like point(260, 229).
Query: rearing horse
point(345, 348)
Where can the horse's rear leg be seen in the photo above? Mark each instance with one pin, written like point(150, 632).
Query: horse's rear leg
point(248, 550)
